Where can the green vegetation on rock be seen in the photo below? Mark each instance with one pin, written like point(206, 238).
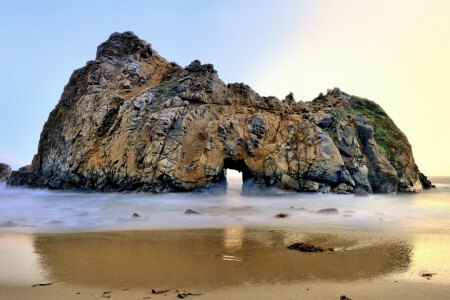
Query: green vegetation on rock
point(386, 133)
point(165, 89)
point(331, 132)
point(339, 114)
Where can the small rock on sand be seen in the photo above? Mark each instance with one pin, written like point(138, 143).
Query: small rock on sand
point(136, 215)
point(328, 211)
point(191, 212)
point(427, 275)
point(304, 247)
point(184, 295)
point(282, 215)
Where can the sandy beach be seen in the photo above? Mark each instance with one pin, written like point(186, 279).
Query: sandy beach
point(230, 263)
point(89, 247)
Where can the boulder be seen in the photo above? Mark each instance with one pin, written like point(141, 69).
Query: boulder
point(359, 192)
point(311, 186)
point(328, 211)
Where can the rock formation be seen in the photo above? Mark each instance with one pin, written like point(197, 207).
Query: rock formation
point(5, 171)
point(130, 120)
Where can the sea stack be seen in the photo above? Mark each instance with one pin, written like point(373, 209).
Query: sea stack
point(130, 120)
point(5, 171)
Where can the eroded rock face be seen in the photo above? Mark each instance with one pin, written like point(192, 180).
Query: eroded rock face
point(5, 171)
point(130, 120)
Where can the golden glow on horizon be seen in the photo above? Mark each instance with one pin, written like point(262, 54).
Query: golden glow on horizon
point(396, 53)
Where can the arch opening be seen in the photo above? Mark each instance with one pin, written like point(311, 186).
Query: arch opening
point(235, 175)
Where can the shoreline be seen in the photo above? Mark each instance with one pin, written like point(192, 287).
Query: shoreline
point(228, 263)
point(375, 289)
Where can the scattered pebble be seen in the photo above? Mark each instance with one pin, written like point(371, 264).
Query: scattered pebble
point(343, 297)
point(159, 292)
point(184, 295)
point(106, 294)
point(42, 284)
point(191, 212)
point(136, 215)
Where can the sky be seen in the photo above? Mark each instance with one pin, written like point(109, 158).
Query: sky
point(394, 52)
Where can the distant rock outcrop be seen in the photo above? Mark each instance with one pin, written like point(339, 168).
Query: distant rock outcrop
point(5, 171)
point(130, 120)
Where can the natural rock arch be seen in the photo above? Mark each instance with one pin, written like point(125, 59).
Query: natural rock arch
point(248, 178)
point(130, 120)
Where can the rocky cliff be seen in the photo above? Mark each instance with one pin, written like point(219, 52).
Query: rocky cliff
point(5, 171)
point(130, 120)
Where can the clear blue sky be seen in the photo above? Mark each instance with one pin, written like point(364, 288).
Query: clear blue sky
point(274, 46)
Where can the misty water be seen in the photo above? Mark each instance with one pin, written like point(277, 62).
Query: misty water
point(40, 210)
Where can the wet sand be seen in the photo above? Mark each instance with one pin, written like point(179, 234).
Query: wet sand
point(232, 263)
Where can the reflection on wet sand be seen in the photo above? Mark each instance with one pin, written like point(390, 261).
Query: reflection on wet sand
point(233, 237)
point(213, 258)
point(18, 262)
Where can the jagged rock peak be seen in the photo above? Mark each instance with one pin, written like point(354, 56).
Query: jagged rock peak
point(336, 92)
point(289, 99)
point(196, 66)
point(121, 44)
